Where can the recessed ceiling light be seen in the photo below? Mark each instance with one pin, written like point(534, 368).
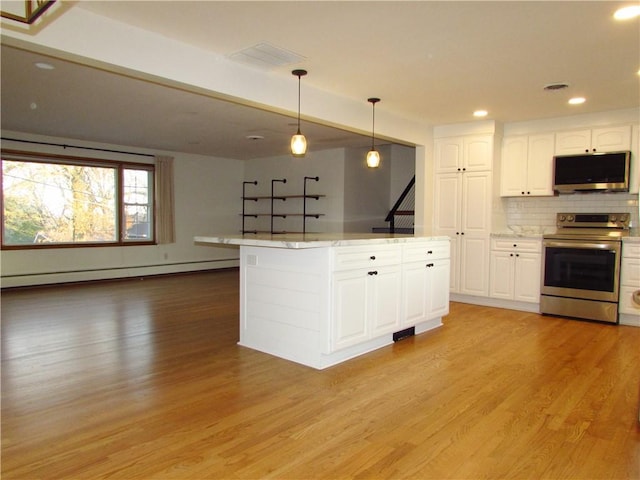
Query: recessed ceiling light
point(577, 100)
point(480, 113)
point(627, 13)
point(44, 66)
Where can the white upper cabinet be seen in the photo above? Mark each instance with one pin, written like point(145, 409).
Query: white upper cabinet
point(513, 174)
point(527, 165)
point(464, 154)
point(448, 154)
point(605, 139)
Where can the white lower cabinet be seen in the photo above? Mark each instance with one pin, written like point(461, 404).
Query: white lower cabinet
point(377, 296)
point(630, 280)
point(366, 304)
point(425, 287)
point(515, 268)
point(473, 265)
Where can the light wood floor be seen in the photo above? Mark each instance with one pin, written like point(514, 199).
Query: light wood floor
point(143, 379)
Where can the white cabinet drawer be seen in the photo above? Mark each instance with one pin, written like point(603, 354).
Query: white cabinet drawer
point(516, 244)
point(426, 251)
point(630, 250)
point(348, 258)
point(627, 305)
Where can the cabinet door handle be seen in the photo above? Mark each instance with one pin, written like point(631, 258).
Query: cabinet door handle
point(635, 296)
point(517, 254)
point(515, 244)
point(511, 254)
point(372, 257)
point(374, 272)
point(429, 252)
point(429, 265)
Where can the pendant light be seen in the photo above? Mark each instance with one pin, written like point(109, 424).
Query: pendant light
point(373, 157)
point(298, 141)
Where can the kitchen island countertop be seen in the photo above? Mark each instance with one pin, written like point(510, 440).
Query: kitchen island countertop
point(314, 240)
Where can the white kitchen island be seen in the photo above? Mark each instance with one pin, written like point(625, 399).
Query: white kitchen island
point(321, 299)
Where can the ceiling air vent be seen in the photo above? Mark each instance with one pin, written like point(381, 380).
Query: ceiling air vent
point(552, 87)
point(265, 55)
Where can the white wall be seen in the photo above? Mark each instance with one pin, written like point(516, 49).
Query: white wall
point(206, 196)
point(402, 170)
point(356, 199)
point(366, 190)
point(327, 165)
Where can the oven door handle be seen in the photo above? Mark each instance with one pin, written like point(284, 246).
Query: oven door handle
point(583, 245)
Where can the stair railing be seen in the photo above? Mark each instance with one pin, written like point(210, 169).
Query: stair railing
point(404, 206)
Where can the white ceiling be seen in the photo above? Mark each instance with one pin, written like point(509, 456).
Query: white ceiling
point(427, 60)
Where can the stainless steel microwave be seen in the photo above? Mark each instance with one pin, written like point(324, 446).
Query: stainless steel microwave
point(591, 172)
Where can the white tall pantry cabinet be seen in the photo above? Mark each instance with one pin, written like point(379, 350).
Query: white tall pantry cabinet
point(462, 207)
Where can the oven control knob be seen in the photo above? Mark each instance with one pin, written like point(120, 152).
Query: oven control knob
point(570, 218)
point(562, 218)
point(613, 218)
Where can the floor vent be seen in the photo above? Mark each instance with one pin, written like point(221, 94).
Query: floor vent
point(407, 332)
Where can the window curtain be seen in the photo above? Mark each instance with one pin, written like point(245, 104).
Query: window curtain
point(165, 209)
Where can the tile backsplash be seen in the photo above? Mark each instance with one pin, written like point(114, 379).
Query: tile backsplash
point(541, 211)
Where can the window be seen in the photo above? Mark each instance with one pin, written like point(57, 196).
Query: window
point(53, 201)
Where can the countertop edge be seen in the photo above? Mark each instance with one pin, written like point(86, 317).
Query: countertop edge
point(315, 241)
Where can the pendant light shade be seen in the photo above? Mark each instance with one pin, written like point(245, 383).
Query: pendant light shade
point(373, 157)
point(298, 141)
point(298, 145)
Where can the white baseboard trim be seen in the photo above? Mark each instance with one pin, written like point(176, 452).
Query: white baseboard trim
point(496, 302)
point(630, 320)
point(50, 278)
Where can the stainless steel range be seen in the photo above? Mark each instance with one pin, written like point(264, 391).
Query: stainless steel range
point(581, 266)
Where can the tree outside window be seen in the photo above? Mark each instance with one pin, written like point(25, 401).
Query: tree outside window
point(66, 202)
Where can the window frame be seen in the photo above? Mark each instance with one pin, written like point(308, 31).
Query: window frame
point(118, 165)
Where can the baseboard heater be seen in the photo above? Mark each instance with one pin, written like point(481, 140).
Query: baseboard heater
point(407, 332)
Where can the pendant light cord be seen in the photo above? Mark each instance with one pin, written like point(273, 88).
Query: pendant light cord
point(373, 127)
point(298, 104)
point(373, 101)
point(299, 74)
